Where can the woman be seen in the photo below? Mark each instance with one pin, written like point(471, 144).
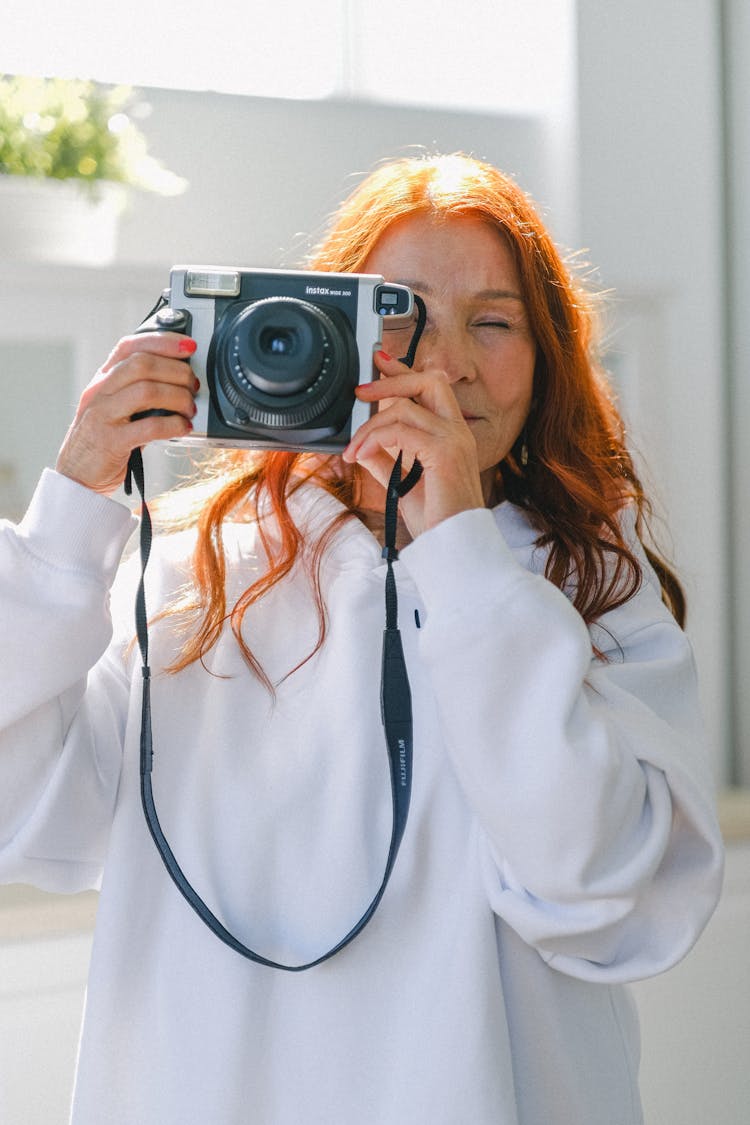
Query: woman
point(561, 838)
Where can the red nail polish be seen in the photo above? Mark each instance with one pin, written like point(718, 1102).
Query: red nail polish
point(385, 356)
point(187, 346)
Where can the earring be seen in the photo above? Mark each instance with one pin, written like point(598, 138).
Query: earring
point(524, 450)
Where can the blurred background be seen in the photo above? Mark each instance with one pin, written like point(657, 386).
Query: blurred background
point(630, 127)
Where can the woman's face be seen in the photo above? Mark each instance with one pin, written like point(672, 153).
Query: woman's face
point(477, 330)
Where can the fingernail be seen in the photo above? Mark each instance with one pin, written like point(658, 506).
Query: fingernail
point(196, 386)
point(187, 346)
point(385, 356)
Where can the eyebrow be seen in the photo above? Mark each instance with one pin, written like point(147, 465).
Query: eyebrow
point(482, 295)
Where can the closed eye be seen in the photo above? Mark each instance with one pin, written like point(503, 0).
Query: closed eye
point(491, 324)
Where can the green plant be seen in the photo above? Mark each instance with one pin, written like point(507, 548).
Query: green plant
point(74, 129)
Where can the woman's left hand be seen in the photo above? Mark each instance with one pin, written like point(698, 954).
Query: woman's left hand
point(420, 416)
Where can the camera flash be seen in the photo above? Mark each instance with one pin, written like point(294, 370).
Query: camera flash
point(212, 283)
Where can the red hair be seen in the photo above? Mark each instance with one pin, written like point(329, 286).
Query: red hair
point(579, 474)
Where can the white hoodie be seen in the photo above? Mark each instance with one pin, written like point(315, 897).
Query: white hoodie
point(562, 837)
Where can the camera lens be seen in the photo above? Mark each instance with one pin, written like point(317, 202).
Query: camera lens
point(276, 347)
point(283, 362)
point(278, 341)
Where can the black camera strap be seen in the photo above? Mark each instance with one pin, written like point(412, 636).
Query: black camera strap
point(395, 697)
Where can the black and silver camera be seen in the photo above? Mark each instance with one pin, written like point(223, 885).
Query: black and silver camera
point(279, 353)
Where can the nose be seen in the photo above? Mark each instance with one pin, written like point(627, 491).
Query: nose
point(444, 350)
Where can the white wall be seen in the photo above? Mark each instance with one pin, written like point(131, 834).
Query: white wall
point(266, 173)
point(737, 140)
point(650, 175)
point(695, 1020)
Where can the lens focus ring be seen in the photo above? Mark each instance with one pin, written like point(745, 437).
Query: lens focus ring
point(283, 362)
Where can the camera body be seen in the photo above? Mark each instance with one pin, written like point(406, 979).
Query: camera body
point(279, 353)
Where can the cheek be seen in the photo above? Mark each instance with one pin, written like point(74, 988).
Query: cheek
point(512, 386)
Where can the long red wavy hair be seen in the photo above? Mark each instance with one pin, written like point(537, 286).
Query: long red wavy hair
point(579, 473)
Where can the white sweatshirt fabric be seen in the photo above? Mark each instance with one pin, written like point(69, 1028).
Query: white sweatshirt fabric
point(562, 838)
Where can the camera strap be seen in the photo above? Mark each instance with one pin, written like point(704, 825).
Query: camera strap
point(395, 699)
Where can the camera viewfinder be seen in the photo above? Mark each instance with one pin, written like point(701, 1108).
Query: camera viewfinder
point(393, 300)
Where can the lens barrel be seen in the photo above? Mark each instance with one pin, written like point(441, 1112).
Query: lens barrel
point(283, 362)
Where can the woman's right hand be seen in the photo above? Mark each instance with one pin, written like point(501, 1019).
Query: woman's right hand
point(143, 372)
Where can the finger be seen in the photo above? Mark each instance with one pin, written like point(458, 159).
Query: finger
point(411, 418)
point(379, 465)
point(140, 367)
point(127, 436)
point(168, 344)
point(392, 436)
point(431, 388)
point(387, 364)
point(157, 427)
point(144, 396)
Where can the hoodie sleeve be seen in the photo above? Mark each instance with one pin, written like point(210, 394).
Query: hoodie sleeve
point(601, 846)
point(64, 697)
